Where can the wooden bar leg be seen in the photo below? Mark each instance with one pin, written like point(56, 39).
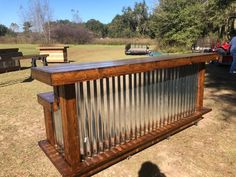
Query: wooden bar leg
point(200, 90)
point(70, 124)
point(49, 126)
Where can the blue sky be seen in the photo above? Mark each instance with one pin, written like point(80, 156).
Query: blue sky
point(102, 10)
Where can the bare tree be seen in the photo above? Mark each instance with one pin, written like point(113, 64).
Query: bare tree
point(39, 14)
point(75, 16)
point(14, 27)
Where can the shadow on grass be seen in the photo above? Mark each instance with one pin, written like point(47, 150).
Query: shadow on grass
point(149, 169)
point(218, 76)
point(219, 79)
point(16, 81)
point(29, 79)
point(24, 68)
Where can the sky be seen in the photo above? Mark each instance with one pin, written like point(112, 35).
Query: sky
point(102, 10)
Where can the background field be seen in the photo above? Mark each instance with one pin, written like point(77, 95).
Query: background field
point(206, 150)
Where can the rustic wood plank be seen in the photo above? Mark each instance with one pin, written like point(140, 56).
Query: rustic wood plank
point(3, 70)
point(104, 160)
point(56, 54)
point(48, 118)
point(56, 158)
point(7, 50)
point(47, 100)
point(70, 124)
point(200, 90)
point(71, 73)
point(6, 60)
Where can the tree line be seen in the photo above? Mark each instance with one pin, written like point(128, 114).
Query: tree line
point(171, 23)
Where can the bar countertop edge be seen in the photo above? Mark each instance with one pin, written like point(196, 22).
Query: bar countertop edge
point(70, 73)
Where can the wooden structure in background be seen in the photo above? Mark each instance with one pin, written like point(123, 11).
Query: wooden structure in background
point(56, 54)
point(7, 63)
point(33, 58)
point(101, 113)
point(137, 49)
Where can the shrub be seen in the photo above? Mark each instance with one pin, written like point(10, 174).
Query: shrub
point(71, 33)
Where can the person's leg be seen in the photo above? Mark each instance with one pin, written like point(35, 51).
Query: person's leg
point(233, 65)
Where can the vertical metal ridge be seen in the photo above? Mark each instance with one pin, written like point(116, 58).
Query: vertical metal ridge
point(139, 105)
point(123, 109)
point(100, 123)
point(103, 118)
point(135, 104)
point(126, 106)
point(57, 120)
point(142, 109)
point(130, 107)
point(115, 110)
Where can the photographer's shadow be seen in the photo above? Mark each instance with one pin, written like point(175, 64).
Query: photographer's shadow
point(149, 169)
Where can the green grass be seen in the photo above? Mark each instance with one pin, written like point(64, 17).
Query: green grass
point(80, 53)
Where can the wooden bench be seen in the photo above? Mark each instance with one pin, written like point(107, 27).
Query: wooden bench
point(137, 49)
point(101, 113)
point(10, 59)
point(7, 63)
point(33, 59)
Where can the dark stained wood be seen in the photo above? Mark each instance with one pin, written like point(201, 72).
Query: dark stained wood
point(53, 48)
point(200, 90)
point(70, 124)
point(56, 97)
point(42, 76)
point(15, 68)
point(48, 118)
point(46, 100)
point(10, 55)
point(71, 73)
point(7, 50)
point(56, 158)
point(6, 60)
point(103, 160)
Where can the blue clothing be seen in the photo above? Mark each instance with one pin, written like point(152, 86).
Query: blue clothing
point(233, 45)
point(233, 53)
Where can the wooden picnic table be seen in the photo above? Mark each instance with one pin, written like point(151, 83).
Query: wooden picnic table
point(34, 58)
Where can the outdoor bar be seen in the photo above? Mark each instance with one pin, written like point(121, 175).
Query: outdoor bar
point(103, 112)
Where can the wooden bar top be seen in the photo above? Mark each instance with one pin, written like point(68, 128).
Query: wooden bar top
point(72, 73)
point(53, 48)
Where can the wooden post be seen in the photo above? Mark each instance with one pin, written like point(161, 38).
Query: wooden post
point(200, 91)
point(70, 128)
point(49, 125)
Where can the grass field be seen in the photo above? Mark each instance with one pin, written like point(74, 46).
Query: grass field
point(80, 53)
point(206, 150)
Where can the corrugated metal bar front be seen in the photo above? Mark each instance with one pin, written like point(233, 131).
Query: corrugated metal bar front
point(116, 110)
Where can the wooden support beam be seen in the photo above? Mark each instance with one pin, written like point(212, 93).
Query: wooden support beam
point(49, 125)
point(200, 90)
point(70, 124)
point(46, 100)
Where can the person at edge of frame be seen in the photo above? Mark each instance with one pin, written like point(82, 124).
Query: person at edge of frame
point(233, 53)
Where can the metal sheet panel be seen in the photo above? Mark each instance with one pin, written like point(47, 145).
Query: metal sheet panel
point(115, 110)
